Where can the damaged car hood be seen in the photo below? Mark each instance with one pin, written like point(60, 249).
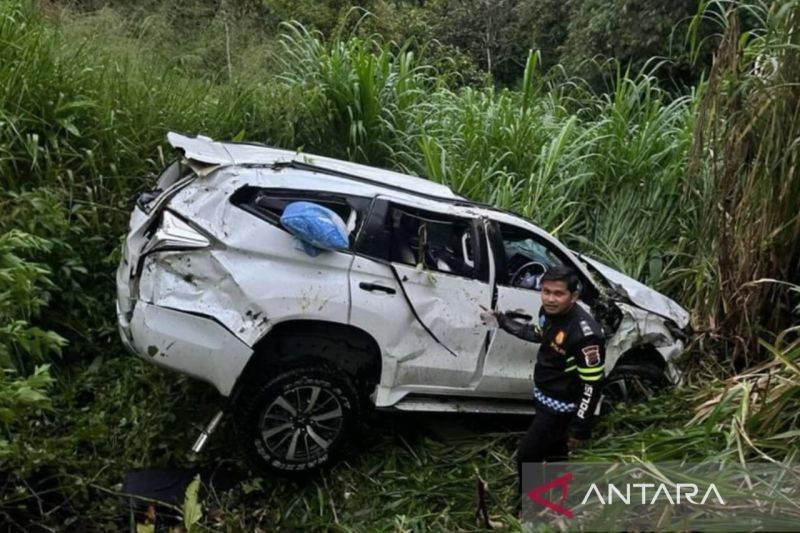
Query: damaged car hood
point(642, 295)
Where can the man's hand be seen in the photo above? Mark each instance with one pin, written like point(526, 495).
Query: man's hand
point(575, 444)
point(489, 317)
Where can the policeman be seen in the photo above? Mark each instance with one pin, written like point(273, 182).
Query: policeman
point(568, 373)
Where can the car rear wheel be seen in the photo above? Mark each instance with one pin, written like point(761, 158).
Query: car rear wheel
point(299, 420)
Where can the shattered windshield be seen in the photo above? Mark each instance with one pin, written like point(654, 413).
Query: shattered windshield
point(530, 249)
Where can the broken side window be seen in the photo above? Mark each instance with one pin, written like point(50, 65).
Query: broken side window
point(433, 241)
point(268, 204)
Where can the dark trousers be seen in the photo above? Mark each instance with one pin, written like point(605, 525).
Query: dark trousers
point(545, 440)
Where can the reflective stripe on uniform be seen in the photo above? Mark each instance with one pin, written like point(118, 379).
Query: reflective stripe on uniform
point(556, 405)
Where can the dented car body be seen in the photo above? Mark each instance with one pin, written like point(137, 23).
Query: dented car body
point(211, 285)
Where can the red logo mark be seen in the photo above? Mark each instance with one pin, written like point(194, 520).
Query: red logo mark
point(561, 481)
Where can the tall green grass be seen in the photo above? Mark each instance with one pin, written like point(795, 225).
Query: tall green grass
point(75, 115)
point(604, 172)
point(747, 148)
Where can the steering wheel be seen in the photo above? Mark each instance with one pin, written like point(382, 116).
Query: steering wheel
point(532, 268)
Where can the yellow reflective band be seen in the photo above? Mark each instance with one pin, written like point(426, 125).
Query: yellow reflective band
point(592, 378)
point(573, 367)
point(570, 359)
point(590, 370)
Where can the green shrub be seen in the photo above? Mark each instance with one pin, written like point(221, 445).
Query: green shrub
point(23, 294)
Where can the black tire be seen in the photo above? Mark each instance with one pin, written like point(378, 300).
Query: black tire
point(298, 421)
point(632, 384)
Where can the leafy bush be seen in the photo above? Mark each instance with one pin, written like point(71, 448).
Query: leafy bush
point(19, 397)
point(23, 294)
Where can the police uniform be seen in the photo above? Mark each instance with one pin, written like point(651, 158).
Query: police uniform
point(567, 377)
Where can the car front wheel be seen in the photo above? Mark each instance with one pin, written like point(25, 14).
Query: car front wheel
point(632, 384)
point(299, 420)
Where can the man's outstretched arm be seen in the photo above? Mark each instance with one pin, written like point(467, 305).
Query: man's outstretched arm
point(528, 332)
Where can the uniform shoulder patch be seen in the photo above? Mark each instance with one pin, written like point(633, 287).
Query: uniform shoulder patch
point(591, 354)
point(586, 328)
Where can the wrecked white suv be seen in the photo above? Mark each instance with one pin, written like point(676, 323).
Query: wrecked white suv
point(210, 284)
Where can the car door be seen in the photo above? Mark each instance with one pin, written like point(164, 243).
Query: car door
point(418, 283)
point(521, 258)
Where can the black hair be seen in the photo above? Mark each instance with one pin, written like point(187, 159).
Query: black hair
point(562, 273)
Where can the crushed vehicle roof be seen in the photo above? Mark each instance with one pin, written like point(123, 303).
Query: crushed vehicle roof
point(215, 153)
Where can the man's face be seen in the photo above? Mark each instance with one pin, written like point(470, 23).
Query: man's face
point(556, 297)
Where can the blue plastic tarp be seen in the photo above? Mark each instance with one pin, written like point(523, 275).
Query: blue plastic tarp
point(317, 227)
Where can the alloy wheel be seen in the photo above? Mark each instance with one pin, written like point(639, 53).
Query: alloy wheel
point(301, 423)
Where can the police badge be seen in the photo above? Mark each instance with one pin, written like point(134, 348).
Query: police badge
point(591, 354)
